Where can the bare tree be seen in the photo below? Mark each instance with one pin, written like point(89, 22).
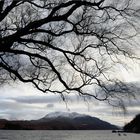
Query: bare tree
point(69, 46)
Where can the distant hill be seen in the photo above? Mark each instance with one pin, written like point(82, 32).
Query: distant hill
point(59, 121)
point(134, 125)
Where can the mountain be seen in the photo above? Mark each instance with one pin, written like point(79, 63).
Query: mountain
point(134, 125)
point(60, 121)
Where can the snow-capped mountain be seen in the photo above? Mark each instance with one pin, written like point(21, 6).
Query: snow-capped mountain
point(60, 121)
point(72, 115)
point(76, 121)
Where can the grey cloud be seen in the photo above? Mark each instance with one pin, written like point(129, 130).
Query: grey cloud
point(37, 99)
point(26, 114)
point(14, 110)
point(11, 107)
point(7, 104)
point(50, 106)
point(46, 99)
point(132, 103)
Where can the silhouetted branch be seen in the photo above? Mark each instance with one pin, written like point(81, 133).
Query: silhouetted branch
point(69, 45)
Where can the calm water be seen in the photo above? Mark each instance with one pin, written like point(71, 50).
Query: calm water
point(65, 135)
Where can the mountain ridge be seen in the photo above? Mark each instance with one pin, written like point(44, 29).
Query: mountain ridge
point(134, 125)
point(60, 121)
